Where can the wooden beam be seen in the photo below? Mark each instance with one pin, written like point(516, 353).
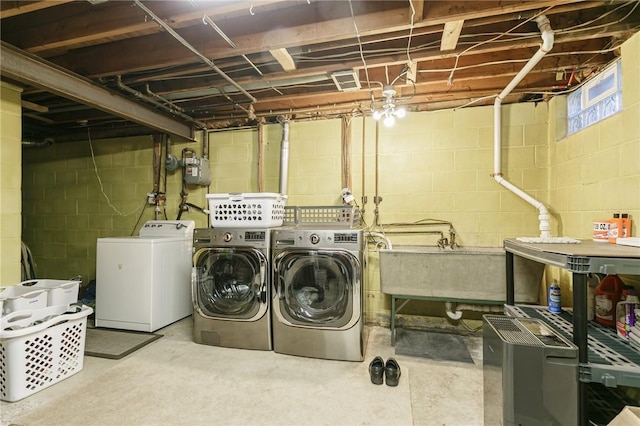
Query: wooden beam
point(116, 21)
point(39, 118)
point(18, 7)
point(34, 107)
point(451, 34)
point(284, 59)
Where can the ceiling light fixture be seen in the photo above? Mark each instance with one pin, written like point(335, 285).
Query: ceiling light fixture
point(388, 112)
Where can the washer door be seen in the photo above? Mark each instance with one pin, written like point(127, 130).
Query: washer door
point(230, 283)
point(317, 288)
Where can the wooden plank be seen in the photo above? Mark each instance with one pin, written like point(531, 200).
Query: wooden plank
point(116, 21)
point(33, 106)
point(284, 59)
point(39, 118)
point(451, 34)
point(19, 7)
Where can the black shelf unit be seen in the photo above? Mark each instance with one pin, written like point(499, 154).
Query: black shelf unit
point(603, 358)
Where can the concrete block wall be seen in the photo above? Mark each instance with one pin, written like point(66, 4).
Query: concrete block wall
point(10, 184)
point(596, 171)
point(77, 192)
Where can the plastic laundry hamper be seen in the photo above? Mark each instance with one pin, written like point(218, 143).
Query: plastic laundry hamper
point(39, 348)
point(18, 298)
point(252, 209)
point(59, 292)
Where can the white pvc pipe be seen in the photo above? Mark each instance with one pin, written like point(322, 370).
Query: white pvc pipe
point(459, 307)
point(547, 44)
point(384, 238)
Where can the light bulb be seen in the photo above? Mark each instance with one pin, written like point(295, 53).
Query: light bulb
point(389, 121)
point(377, 115)
point(400, 112)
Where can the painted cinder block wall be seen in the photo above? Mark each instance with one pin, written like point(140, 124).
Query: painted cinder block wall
point(10, 181)
point(430, 165)
point(596, 171)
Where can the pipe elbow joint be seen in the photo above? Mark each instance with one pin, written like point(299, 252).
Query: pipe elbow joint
point(454, 315)
point(546, 33)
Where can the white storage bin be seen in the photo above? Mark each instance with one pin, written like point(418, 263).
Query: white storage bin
point(39, 348)
point(252, 209)
point(59, 292)
point(18, 298)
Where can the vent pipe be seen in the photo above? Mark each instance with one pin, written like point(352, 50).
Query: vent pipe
point(284, 156)
point(547, 44)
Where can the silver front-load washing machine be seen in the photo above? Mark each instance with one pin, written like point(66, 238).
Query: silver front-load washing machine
point(317, 297)
point(231, 288)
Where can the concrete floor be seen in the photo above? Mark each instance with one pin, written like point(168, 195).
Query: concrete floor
point(176, 381)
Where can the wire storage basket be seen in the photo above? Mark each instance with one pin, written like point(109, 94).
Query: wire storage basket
point(39, 348)
point(258, 209)
point(336, 216)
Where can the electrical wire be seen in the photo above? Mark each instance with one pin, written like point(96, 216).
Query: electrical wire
point(95, 168)
point(413, 14)
point(364, 63)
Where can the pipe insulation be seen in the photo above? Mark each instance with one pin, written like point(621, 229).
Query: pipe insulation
point(284, 157)
point(547, 44)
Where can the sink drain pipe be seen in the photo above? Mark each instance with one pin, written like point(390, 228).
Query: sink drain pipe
point(547, 44)
point(454, 310)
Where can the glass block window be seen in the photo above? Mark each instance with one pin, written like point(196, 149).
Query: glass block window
point(599, 98)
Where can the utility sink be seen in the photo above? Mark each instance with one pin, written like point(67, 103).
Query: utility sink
point(465, 273)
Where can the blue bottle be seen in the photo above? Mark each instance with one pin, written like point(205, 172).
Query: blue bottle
point(555, 303)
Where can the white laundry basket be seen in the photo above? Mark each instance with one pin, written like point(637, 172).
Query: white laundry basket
point(59, 292)
point(39, 348)
point(251, 209)
point(18, 298)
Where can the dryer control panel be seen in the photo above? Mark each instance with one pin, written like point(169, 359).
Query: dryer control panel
point(167, 228)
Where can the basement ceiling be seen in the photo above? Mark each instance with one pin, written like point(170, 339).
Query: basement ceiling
point(135, 67)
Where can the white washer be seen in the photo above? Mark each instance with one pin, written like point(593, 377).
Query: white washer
point(144, 283)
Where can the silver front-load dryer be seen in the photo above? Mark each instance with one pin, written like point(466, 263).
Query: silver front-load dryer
point(317, 297)
point(231, 288)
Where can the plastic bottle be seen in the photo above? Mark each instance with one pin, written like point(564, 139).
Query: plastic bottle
point(615, 228)
point(608, 293)
point(555, 301)
point(626, 225)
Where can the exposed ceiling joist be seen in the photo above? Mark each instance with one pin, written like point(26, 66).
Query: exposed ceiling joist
point(289, 53)
point(9, 8)
point(34, 107)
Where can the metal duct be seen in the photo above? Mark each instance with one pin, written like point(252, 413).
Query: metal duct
point(284, 156)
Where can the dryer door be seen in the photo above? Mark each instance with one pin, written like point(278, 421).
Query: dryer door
point(317, 288)
point(231, 283)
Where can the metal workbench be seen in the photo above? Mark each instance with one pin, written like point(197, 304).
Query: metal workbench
point(603, 357)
